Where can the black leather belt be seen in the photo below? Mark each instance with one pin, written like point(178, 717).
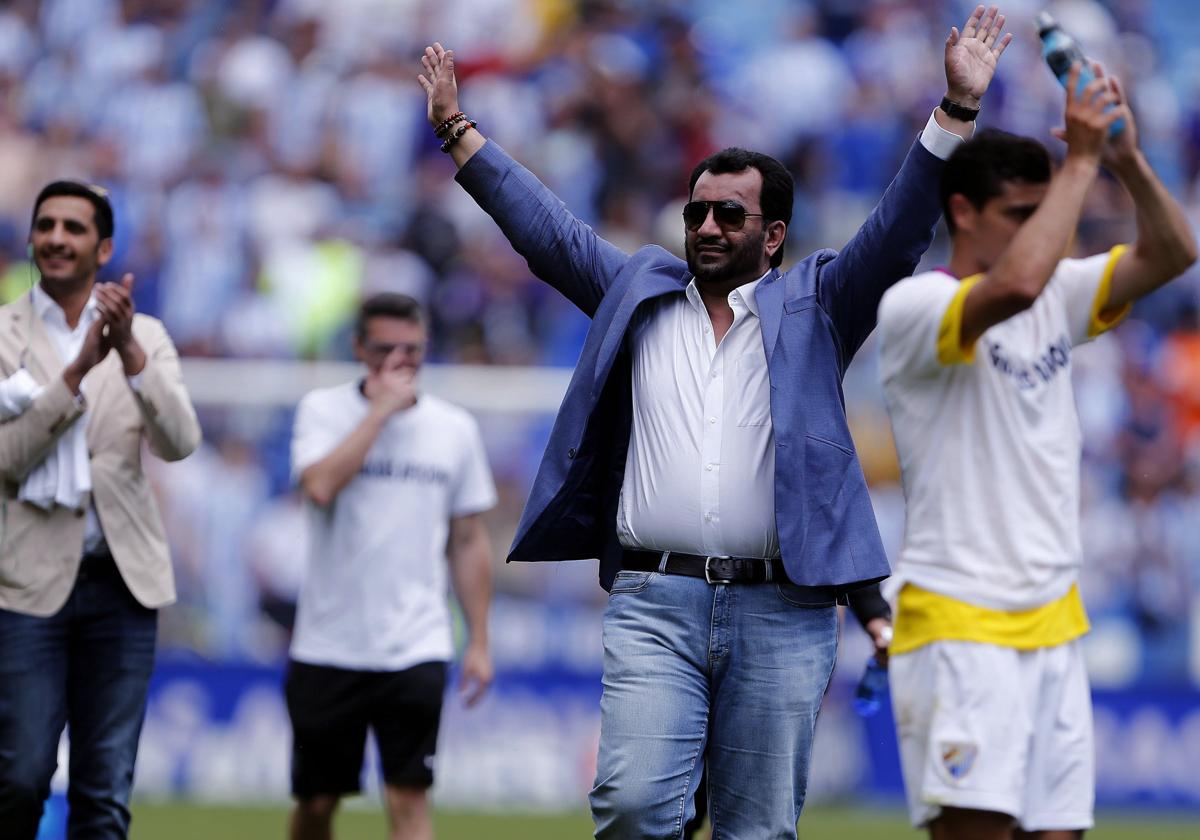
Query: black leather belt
point(713, 568)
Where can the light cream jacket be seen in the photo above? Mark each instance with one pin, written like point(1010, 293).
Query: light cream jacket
point(40, 551)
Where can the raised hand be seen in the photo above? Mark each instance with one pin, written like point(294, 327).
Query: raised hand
point(439, 83)
point(1087, 121)
point(971, 56)
point(1124, 147)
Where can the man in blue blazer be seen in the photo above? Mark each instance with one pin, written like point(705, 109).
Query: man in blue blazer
point(702, 454)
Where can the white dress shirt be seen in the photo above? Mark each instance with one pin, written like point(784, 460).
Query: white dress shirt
point(700, 471)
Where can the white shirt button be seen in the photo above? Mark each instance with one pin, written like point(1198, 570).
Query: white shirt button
point(712, 419)
point(708, 517)
point(708, 467)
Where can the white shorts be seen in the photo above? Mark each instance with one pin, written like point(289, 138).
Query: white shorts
point(996, 729)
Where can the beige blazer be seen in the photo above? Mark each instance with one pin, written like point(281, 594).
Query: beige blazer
point(40, 550)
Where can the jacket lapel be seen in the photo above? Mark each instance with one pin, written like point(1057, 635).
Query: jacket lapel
point(656, 284)
point(769, 297)
point(37, 354)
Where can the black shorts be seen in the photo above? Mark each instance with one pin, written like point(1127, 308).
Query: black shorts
point(331, 710)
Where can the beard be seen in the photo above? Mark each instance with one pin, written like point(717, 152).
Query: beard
point(743, 258)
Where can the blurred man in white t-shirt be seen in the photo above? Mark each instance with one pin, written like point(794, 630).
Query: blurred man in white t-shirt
point(992, 704)
point(395, 484)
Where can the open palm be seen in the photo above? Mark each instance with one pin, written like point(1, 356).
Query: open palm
point(971, 55)
point(441, 88)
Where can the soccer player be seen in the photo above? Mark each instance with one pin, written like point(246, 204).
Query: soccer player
point(991, 699)
point(395, 482)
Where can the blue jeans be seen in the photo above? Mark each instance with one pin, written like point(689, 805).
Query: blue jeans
point(731, 675)
point(87, 667)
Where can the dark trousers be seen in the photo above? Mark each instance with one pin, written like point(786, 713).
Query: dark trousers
point(86, 668)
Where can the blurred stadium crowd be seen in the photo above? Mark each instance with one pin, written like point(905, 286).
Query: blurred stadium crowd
point(270, 162)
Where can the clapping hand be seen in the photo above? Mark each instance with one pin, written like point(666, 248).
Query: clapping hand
point(116, 312)
point(1123, 148)
point(1088, 116)
point(116, 309)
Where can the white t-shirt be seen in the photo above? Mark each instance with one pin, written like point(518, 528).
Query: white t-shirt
point(989, 448)
point(374, 595)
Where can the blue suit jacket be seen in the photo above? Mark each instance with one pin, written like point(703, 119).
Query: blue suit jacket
point(814, 318)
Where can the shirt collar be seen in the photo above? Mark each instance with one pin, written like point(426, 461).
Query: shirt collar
point(748, 291)
point(47, 308)
point(745, 292)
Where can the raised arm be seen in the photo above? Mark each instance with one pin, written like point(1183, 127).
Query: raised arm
point(560, 249)
point(1029, 261)
point(890, 243)
point(1165, 245)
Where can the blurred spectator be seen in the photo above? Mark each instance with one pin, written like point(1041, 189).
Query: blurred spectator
point(273, 164)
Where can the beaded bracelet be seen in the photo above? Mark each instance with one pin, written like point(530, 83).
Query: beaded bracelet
point(444, 126)
point(456, 136)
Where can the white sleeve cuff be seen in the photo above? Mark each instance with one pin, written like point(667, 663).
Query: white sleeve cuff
point(940, 142)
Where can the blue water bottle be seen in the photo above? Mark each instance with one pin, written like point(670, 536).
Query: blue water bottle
point(1061, 51)
point(871, 690)
point(54, 817)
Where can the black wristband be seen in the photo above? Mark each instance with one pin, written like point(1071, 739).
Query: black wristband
point(958, 112)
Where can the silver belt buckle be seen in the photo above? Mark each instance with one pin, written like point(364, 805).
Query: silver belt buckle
point(708, 568)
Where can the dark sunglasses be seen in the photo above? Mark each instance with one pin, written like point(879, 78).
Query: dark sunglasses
point(730, 215)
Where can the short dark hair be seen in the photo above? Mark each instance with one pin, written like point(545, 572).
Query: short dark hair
point(778, 187)
point(97, 196)
point(980, 168)
point(387, 305)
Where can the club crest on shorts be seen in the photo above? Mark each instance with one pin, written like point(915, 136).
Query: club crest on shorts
point(958, 758)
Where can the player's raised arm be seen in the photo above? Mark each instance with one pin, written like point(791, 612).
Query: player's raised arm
point(1018, 276)
point(1165, 245)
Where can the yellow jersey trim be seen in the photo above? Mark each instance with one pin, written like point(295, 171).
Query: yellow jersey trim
point(923, 617)
point(949, 339)
point(1099, 323)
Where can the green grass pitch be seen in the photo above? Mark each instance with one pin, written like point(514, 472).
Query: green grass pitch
point(189, 821)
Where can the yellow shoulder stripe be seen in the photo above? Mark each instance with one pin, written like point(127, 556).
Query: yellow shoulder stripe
point(1101, 320)
point(950, 350)
point(923, 617)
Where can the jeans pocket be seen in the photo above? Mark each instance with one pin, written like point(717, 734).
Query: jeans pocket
point(627, 582)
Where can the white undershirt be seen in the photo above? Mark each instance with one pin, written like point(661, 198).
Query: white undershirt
point(700, 471)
